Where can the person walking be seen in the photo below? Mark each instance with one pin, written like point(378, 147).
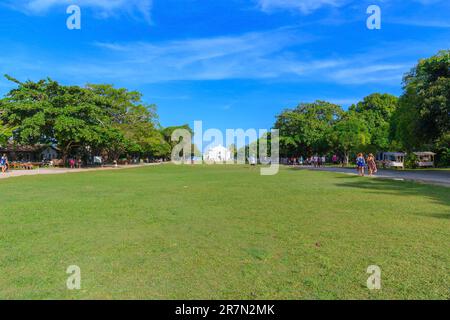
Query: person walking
point(372, 165)
point(4, 163)
point(334, 159)
point(72, 163)
point(361, 164)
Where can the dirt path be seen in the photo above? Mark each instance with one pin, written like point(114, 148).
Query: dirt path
point(20, 173)
point(438, 177)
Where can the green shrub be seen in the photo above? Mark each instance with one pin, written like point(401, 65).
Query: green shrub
point(411, 161)
point(443, 151)
point(443, 158)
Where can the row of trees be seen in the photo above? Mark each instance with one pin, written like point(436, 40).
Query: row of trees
point(418, 120)
point(99, 119)
point(90, 120)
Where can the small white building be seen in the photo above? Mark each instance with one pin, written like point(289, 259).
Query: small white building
point(217, 154)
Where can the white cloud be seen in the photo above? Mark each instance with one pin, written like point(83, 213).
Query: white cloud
point(428, 2)
point(377, 72)
point(271, 55)
point(422, 23)
point(304, 6)
point(250, 55)
point(263, 55)
point(309, 6)
point(104, 8)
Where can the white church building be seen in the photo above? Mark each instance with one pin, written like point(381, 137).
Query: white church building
point(217, 154)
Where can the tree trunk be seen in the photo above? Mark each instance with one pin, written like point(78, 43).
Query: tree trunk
point(346, 158)
point(65, 152)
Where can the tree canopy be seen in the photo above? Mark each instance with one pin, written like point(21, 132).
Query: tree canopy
point(304, 129)
point(423, 118)
point(417, 121)
point(350, 135)
point(115, 122)
point(376, 111)
point(97, 118)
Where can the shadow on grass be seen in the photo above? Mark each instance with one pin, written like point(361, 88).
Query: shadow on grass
point(388, 186)
point(438, 194)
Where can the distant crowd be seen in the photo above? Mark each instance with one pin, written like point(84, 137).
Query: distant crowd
point(316, 161)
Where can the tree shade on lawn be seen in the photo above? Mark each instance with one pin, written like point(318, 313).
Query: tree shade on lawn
point(207, 232)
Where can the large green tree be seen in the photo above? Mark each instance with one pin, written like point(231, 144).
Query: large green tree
point(135, 120)
point(350, 135)
point(46, 112)
point(98, 119)
point(376, 111)
point(423, 117)
point(5, 134)
point(305, 129)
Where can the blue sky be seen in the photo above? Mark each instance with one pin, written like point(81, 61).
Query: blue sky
point(230, 63)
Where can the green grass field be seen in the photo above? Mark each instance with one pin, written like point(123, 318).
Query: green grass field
point(222, 232)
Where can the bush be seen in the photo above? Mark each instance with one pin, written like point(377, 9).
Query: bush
point(443, 158)
point(411, 161)
point(443, 151)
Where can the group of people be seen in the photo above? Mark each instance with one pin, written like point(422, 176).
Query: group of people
point(78, 163)
point(4, 164)
point(362, 162)
point(316, 161)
